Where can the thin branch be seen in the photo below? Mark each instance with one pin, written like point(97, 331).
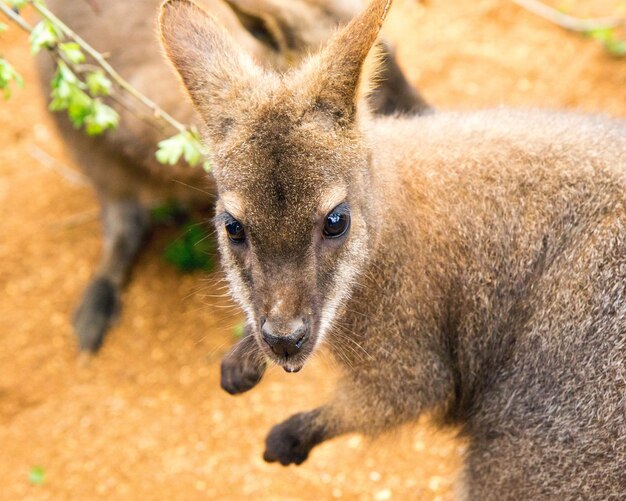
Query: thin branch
point(149, 119)
point(50, 163)
point(15, 17)
point(170, 150)
point(115, 76)
point(566, 21)
point(130, 106)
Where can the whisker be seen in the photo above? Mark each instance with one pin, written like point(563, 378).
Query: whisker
point(212, 195)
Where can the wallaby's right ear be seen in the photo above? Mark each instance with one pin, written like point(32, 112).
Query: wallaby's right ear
point(215, 71)
point(335, 77)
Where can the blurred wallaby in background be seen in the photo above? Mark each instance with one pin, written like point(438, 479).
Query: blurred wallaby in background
point(467, 265)
point(122, 166)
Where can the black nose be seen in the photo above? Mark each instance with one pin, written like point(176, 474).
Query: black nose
point(285, 345)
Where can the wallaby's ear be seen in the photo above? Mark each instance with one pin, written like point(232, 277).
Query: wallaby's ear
point(335, 75)
point(263, 20)
point(215, 71)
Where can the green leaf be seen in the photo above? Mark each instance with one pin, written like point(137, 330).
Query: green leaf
point(98, 84)
point(616, 48)
point(62, 83)
point(601, 34)
point(612, 44)
point(239, 329)
point(73, 52)
point(101, 118)
point(44, 35)
point(8, 75)
point(37, 475)
point(61, 91)
point(80, 106)
point(3, 27)
point(192, 152)
point(206, 163)
point(68, 94)
point(192, 250)
point(16, 4)
point(65, 73)
point(170, 150)
point(185, 145)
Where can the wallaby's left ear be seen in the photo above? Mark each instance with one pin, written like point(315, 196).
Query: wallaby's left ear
point(215, 71)
point(333, 78)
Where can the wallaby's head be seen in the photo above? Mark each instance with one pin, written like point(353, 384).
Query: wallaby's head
point(295, 215)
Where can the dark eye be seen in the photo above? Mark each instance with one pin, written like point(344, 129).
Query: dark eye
point(337, 222)
point(235, 231)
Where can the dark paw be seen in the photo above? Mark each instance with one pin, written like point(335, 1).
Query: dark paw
point(291, 441)
point(96, 313)
point(240, 373)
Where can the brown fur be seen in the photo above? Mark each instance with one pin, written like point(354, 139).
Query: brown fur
point(127, 177)
point(483, 277)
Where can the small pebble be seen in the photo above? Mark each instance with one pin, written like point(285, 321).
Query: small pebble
point(383, 495)
point(375, 476)
point(434, 483)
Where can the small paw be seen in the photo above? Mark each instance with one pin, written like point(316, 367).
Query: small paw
point(96, 313)
point(240, 375)
point(291, 441)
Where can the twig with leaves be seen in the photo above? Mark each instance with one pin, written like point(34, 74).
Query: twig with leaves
point(78, 88)
point(8, 75)
point(602, 29)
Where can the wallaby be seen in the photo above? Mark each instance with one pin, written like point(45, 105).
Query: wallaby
point(121, 164)
point(467, 265)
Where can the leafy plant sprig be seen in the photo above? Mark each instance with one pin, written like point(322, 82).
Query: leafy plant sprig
point(8, 74)
point(615, 46)
point(602, 29)
point(37, 475)
point(79, 91)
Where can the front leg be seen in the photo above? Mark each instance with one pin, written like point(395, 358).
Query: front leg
point(368, 404)
point(291, 441)
point(126, 224)
point(243, 367)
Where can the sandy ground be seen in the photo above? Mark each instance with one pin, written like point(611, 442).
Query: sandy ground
point(146, 419)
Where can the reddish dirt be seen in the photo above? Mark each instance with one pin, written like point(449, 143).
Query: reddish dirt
point(146, 419)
